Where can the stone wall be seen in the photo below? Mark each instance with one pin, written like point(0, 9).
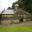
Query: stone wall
point(13, 21)
point(10, 21)
point(25, 20)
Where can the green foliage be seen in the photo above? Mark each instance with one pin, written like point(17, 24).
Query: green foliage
point(13, 5)
point(24, 4)
point(20, 2)
point(9, 8)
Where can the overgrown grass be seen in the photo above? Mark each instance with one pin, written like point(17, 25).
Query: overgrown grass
point(16, 29)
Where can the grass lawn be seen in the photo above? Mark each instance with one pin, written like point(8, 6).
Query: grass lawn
point(16, 29)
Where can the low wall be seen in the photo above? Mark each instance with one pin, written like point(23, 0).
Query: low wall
point(13, 21)
point(24, 20)
point(10, 21)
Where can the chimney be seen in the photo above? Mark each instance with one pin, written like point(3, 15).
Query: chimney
point(4, 9)
point(16, 7)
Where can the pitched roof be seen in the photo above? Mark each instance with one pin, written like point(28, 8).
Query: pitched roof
point(20, 11)
point(8, 11)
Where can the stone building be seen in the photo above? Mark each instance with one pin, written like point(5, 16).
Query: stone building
point(20, 13)
point(8, 13)
point(8, 17)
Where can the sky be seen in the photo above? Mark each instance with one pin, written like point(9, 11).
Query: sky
point(5, 4)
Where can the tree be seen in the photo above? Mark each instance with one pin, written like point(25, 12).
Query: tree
point(26, 5)
point(0, 18)
point(9, 8)
point(13, 5)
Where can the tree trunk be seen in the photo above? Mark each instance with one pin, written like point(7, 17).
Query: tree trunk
point(0, 18)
